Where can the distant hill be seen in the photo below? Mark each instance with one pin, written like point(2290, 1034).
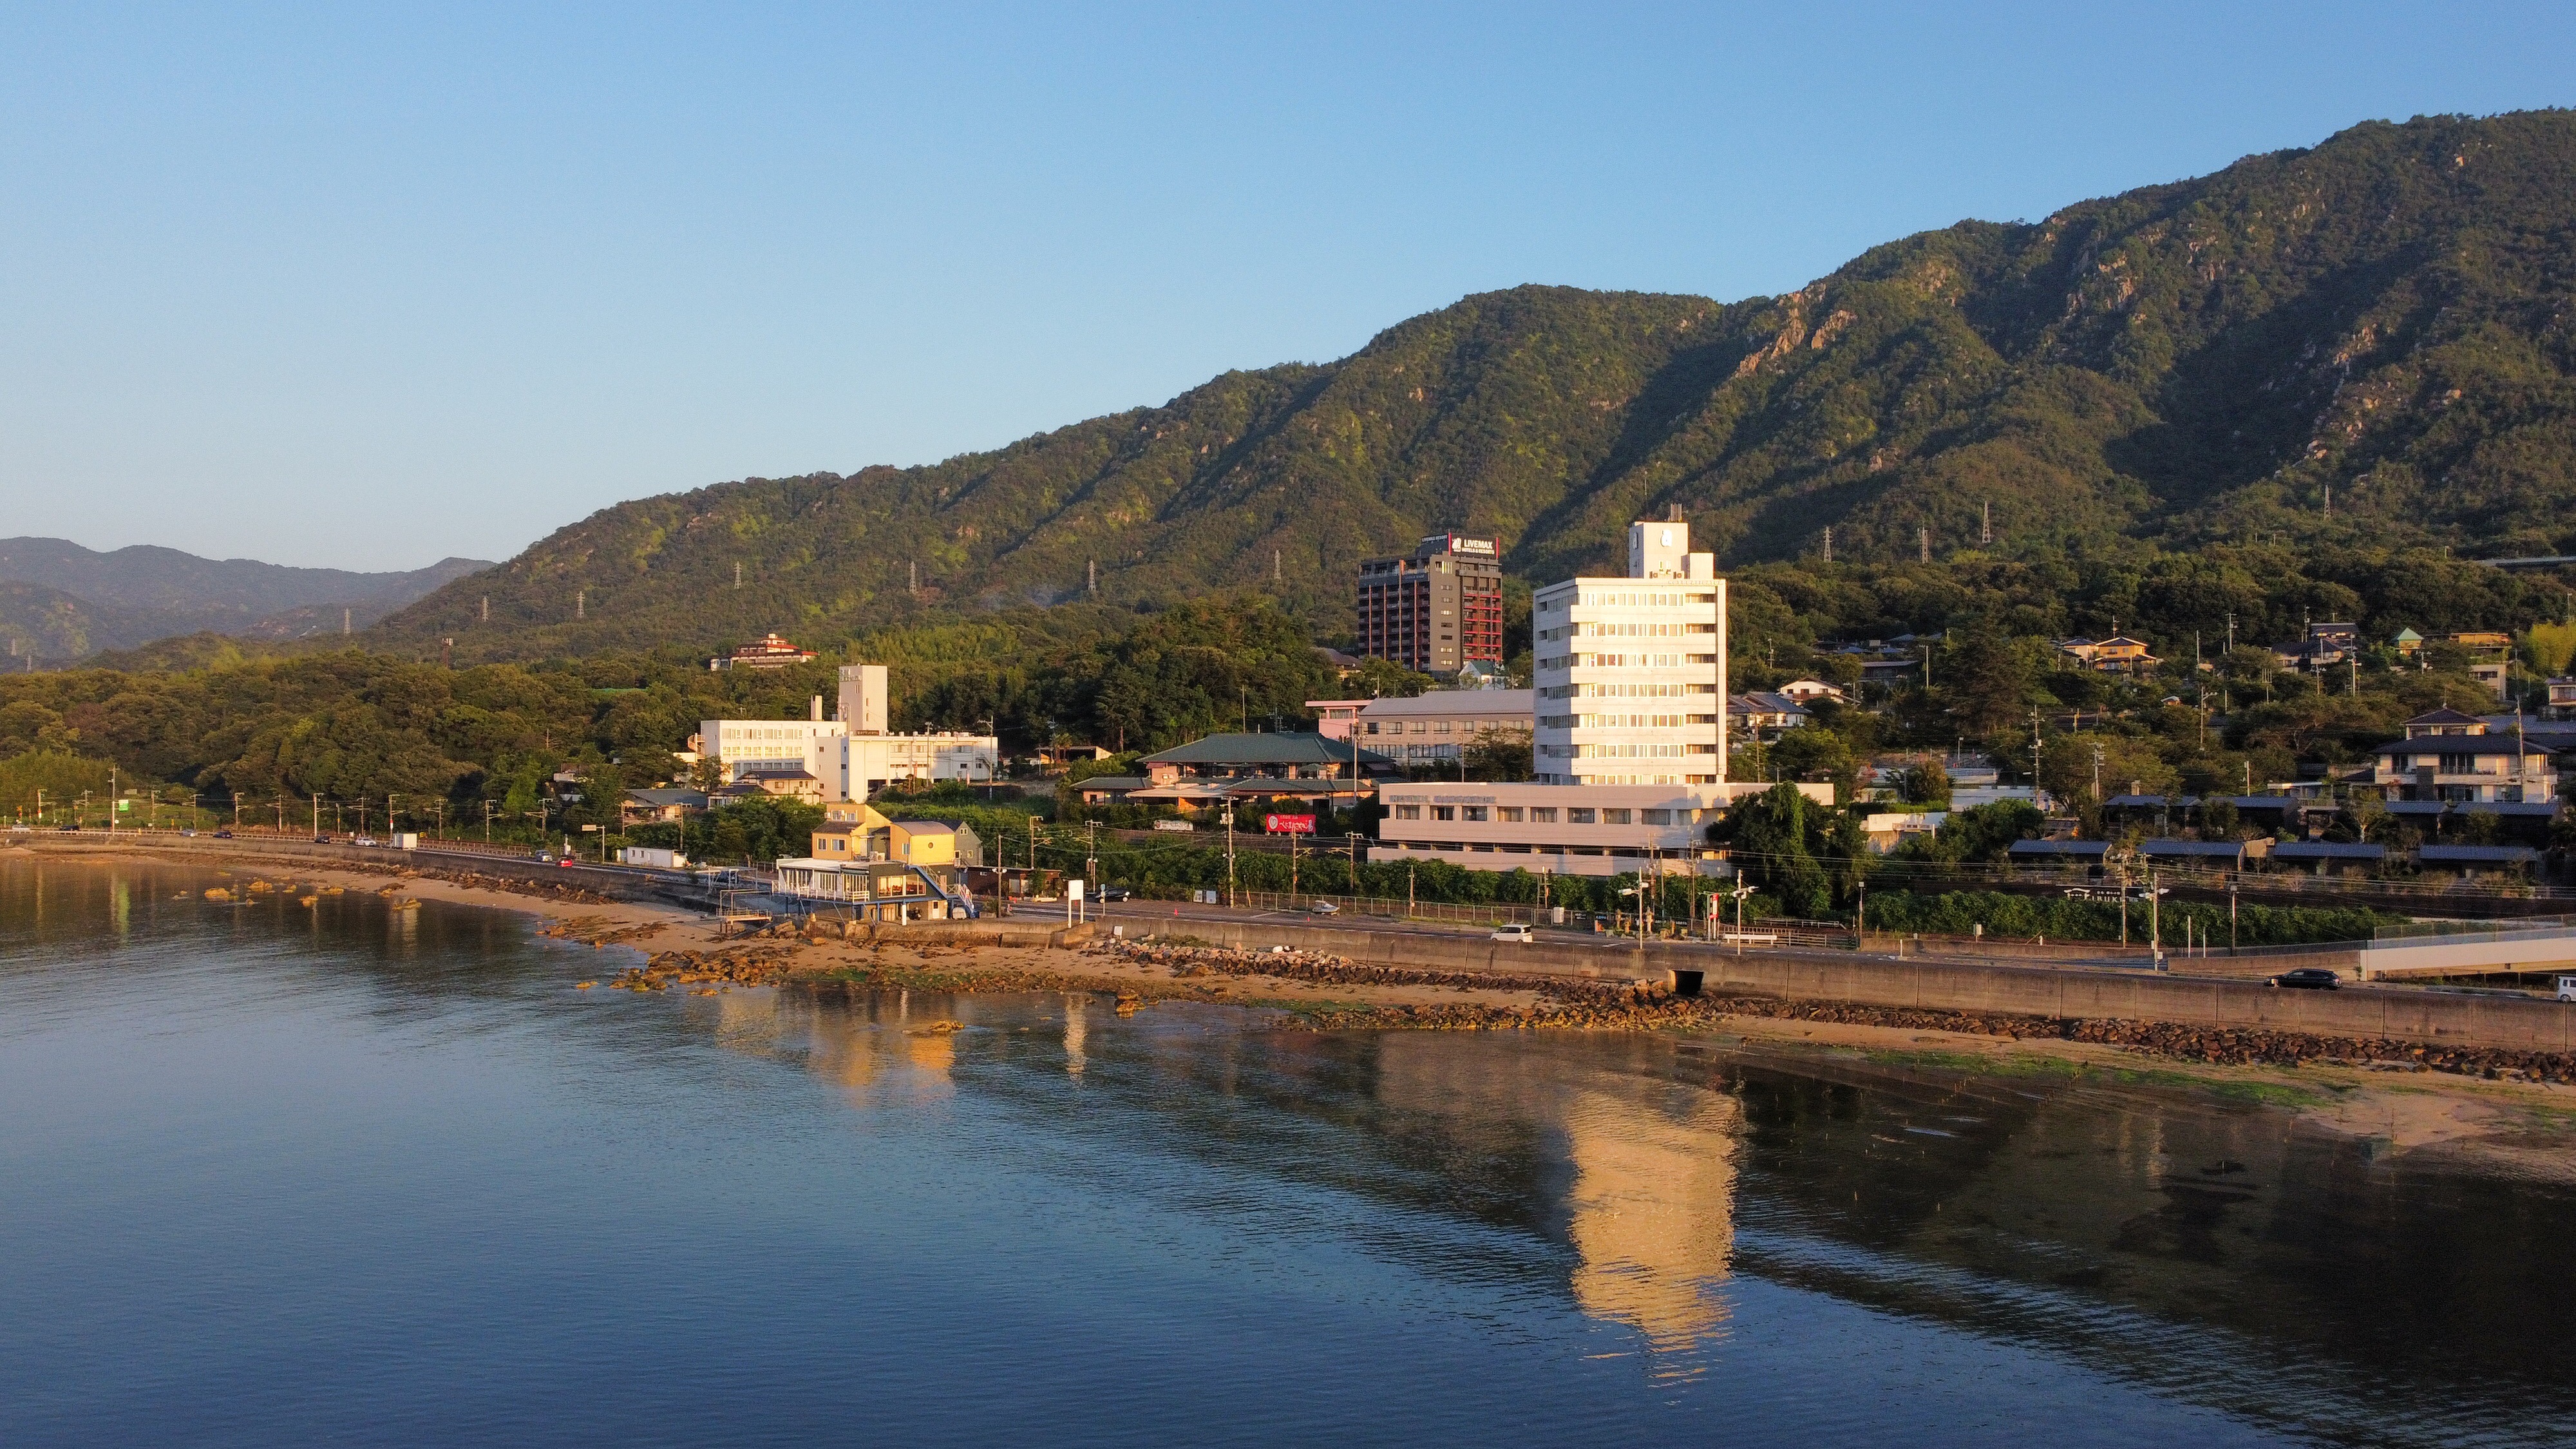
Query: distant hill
point(65, 602)
point(2385, 316)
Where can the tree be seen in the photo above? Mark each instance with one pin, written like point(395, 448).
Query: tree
point(1498, 754)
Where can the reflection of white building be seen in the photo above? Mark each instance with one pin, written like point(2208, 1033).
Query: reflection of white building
point(854, 754)
point(1649, 1205)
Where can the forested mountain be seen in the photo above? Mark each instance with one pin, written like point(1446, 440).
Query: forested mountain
point(61, 601)
point(2383, 316)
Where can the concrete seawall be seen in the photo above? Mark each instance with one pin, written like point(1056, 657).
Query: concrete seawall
point(2065, 992)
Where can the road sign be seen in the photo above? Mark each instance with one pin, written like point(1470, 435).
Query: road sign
point(1288, 824)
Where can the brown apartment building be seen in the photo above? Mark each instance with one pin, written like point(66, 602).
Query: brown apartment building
point(1437, 611)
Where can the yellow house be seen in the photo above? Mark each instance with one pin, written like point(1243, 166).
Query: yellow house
point(852, 830)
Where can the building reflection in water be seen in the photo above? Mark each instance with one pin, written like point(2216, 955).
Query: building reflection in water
point(867, 1045)
point(1077, 1025)
point(1650, 1206)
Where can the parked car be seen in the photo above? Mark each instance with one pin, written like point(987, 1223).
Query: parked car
point(187, 835)
point(1114, 893)
point(1324, 908)
point(223, 835)
point(2312, 978)
point(321, 840)
point(1514, 933)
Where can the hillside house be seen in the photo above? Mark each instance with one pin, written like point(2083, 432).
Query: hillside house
point(2451, 756)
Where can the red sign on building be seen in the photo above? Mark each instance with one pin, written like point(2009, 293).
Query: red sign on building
point(1288, 824)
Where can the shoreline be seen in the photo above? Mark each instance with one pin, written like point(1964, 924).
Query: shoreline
point(2394, 1095)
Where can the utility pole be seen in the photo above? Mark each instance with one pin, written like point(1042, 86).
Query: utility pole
point(2155, 919)
point(1292, 870)
point(2034, 750)
point(1033, 848)
point(111, 801)
point(487, 608)
point(1091, 861)
point(1229, 855)
point(236, 810)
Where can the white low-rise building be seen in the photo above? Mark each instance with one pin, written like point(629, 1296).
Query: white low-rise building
point(1435, 727)
point(1562, 829)
point(852, 755)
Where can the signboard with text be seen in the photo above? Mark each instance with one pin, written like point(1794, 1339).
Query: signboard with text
point(1288, 824)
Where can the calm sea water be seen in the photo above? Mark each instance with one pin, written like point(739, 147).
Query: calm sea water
point(274, 1174)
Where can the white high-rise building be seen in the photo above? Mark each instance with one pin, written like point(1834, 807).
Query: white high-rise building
point(1631, 671)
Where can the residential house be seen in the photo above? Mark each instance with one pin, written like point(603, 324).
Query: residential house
point(789, 780)
point(2490, 657)
point(2407, 643)
point(2448, 755)
point(2479, 862)
point(1806, 691)
point(1216, 769)
point(855, 831)
point(2325, 857)
point(1108, 789)
point(2562, 698)
point(1762, 714)
point(2118, 654)
point(642, 807)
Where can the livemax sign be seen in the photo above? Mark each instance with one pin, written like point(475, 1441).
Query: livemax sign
point(1288, 824)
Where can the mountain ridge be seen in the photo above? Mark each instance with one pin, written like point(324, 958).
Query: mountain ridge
point(2181, 366)
point(60, 601)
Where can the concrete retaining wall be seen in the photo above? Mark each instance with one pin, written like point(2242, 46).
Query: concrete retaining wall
point(1936, 985)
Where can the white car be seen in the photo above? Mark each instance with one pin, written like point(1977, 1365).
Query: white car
point(1324, 908)
point(1514, 933)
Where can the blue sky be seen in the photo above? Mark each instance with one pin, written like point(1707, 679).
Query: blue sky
point(364, 287)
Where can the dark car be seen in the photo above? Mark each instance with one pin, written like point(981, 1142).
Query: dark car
point(223, 835)
point(1115, 893)
point(2314, 978)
